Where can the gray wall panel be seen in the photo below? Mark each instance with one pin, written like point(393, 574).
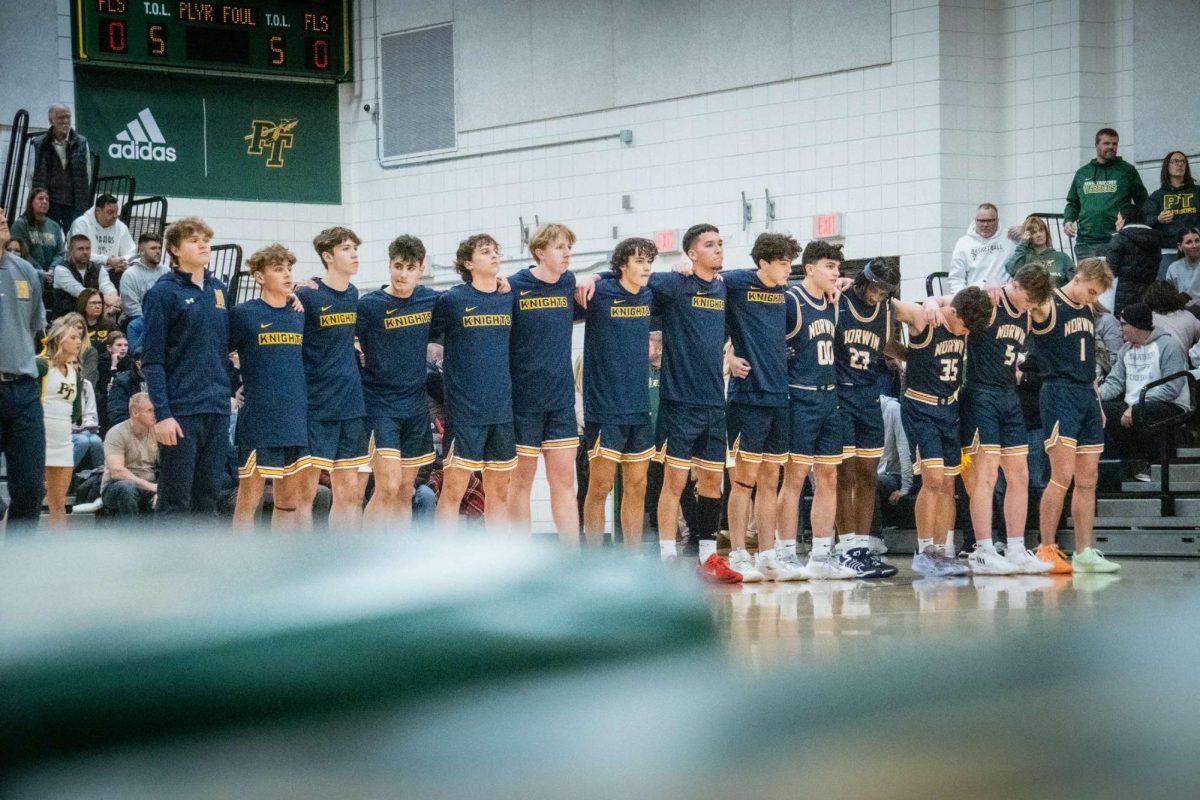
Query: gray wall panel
point(572, 56)
point(395, 17)
point(746, 43)
point(1166, 103)
point(493, 40)
point(831, 37)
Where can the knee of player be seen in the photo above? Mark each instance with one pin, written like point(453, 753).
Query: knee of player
point(633, 485)
point(825, 478)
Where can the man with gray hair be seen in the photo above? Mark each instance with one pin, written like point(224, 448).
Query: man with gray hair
point(979, 255)
point(130, 484)
point(62, 162)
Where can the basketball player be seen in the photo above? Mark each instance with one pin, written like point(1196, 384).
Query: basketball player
point(272, 431)
point(543, 383)
point(1065, 334)
point(476, 321)
point(337, 432)
point(863, 332)
point(929, 412)
point(616, 392)
point(815, 440)
point(757, 415)
point(393, 332)
point(994, 428)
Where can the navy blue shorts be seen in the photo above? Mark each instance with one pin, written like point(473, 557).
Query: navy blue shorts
point(339, 443)
point(545, 430)
point(408, 440)
point(690, 436)
point(1071, 417)
point(816, 428)
point(271, 462)
point(933, 434)
point(477, 447)
point(621, 443)
point(862, 421)
point(992, 422)
point(757, 433)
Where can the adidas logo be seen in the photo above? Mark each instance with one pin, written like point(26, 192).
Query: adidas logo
point(141, 141)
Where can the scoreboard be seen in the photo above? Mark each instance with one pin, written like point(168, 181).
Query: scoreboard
point(287, 38)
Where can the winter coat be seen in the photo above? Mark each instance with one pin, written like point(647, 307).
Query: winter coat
point(1097, 193)
point(1133, 254)
point(72, 186)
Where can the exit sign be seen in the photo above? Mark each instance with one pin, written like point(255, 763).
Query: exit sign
point(667, 241)
point(827, 226)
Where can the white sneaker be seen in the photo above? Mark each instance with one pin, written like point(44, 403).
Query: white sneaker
point(1027, 563)
point(776, 567)
point(743, 563)
point(827, 569)
point(877, 546)
point(873, 543)
point(985, 561)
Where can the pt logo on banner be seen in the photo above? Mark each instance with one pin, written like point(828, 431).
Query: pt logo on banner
point(272, 138)
point(141, 141)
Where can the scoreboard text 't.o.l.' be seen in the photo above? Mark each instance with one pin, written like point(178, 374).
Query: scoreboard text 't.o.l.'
point(293, 39)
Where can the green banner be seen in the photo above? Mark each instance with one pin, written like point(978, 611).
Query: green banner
point(215, 138)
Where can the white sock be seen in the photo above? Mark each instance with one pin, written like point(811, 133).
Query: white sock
point(822, 546)
point(949, 546)
point(923, 543)
point(986, 544)
point(847, 539)
point(785, 546)
point(708, 547)
point(666, 549)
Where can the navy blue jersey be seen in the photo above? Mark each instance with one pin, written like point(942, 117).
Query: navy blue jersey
point(1066, 342)
point(693, 359)
point(992, 355)
point(270, 346)
point(756, 319)
point(393, 333)
point(476, 327)
point(330, 362)
point(811, 327)
point(935, 359)
point(616, 355)
point(862, 333)
point(543, 315)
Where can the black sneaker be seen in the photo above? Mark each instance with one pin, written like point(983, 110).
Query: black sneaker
point(862, 562)
point(882, 568)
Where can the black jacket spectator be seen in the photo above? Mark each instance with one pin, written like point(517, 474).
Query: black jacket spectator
point(1133, 254)
point(70, 186)
point(124, 386)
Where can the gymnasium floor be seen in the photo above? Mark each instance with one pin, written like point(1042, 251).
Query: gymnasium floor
point(768, 622)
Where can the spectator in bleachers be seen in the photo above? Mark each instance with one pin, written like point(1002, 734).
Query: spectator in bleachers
point(62, 390)
point(1036, 247)
point(1175, 206)
point(22, 431)
point(1133, 255)
point(17, 248)
point(142, 273)
point(86, 444)
point(112, 244)
point(62, 162)
point(41, 236)
point(1149, 353)
point(125, 384)
point(76, 272)
point(130, 482)
point(1099, 189)
point(1108, 338)
point(979, 255)
point(1184, 273)
point(1171, 314)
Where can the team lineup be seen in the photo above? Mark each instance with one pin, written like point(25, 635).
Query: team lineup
point(776, 379)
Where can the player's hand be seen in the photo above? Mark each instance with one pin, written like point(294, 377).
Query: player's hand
point(895, 496)
point(239, 397)
point(684, 268)
point(168, 432)
point(295, 303)
point(932, 310)
point(1166, 216)
point(502, 285)
point(307, 283)
point(585, 287)
point(1127, 417)
point(738, 367)
point(839, 286)
point(1070, 229)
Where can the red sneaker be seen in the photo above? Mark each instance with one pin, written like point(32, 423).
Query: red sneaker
point(716, 570)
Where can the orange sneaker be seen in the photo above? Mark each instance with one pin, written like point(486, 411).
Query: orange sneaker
point(716, 570)
point(1056, 558)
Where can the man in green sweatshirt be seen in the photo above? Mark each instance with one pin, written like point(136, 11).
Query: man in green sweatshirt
point(1098, 191)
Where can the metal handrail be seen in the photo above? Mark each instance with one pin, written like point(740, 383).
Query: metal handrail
point(940, 276)
point(1165, 498)
point(14, 164)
